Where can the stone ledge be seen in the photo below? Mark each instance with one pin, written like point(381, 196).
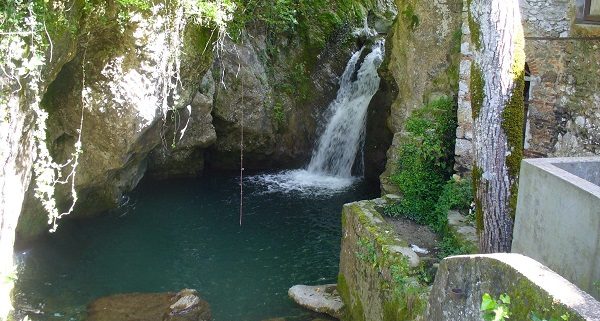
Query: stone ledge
point(531, 286)
point(378, 270)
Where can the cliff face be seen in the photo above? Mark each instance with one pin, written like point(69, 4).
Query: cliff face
point(423, 57)
point(21, 84)
point(114, 89)
point(148, 95)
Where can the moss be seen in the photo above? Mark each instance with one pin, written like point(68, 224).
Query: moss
point(449, 79)
point(477, 173)
point(411, 18)
point(474, 28)
point(476, 87)
point(353, 307)
point(512, 123)
point(404, 295)
point(527, 299)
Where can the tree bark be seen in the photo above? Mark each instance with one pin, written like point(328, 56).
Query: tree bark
point(497, 82)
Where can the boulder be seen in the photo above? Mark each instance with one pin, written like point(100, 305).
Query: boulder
point(320, 298)
point(185, 305)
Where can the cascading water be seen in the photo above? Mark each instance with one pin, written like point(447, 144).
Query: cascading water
point(344, 134)
point(330, 168)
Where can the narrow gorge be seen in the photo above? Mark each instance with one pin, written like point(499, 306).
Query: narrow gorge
point(169, 160)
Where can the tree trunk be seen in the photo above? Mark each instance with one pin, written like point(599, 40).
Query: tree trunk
point(497, 84)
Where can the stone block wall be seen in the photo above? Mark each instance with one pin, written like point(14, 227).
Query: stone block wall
point(378, 270)
point(563, 58)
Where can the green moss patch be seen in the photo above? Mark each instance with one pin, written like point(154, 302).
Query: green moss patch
point(476, 87)
point(395, 285)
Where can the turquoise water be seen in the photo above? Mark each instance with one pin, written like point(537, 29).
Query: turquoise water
point(186, 234)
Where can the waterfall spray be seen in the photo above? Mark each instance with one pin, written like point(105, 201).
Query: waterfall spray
point(330, 167)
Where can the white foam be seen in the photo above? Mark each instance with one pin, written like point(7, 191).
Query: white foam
point(302, 181)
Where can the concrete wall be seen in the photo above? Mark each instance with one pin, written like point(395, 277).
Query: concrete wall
point(563, 55)
point(558, 218)
point(461, 282)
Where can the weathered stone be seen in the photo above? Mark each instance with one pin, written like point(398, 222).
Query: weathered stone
point(417, 70)
point(376, 277)
point(123, 96)
point(182, 306)
point(462, 229)
point(461, 282)
point(320, 298)
point(413, 258)
point(188, 133)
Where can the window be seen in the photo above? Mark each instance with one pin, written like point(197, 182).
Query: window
point(588, 11)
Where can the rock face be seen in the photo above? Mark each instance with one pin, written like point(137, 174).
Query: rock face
point(117, 83)
point(19, 122)
point(278, 100)
point(183, 306)
point(320, 298)
point(419, 73)
point(461, 282)
point(189, 132)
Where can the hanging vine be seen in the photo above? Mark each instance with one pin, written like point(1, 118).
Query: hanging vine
point(25, 40)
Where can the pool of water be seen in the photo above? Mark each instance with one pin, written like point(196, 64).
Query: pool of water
point(186, 234)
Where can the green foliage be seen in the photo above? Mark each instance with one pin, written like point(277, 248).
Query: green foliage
point(313, 21)
point(495, 310)
point(457, 194)
point(278, 112)
point(535, 317)
point(451, 245)
point(499, 309)
point(367, 252)
point(142, 5)
point(426, 160)
point(476, 87)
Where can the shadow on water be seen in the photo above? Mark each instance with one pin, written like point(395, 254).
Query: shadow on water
point(185, 234)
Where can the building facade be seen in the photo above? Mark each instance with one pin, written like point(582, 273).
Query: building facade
point(562, 92)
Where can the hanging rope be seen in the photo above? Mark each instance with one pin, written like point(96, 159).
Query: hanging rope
point(242, 151)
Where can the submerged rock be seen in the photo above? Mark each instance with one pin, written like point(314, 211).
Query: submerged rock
point(320, 298)
point(185, 305)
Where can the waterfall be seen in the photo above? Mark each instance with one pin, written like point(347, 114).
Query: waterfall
point(330, 167)
point(344, 135)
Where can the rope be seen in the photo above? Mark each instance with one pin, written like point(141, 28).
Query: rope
point(242, 153)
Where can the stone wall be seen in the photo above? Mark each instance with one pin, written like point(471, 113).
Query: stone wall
point(563, 58)
point(461, 281)
point(378, 269)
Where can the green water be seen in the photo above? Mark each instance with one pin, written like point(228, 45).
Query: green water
point(186, 234)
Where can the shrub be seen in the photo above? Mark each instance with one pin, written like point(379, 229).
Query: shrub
point(426, 161)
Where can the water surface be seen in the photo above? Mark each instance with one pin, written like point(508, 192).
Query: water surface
point(186, 234)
